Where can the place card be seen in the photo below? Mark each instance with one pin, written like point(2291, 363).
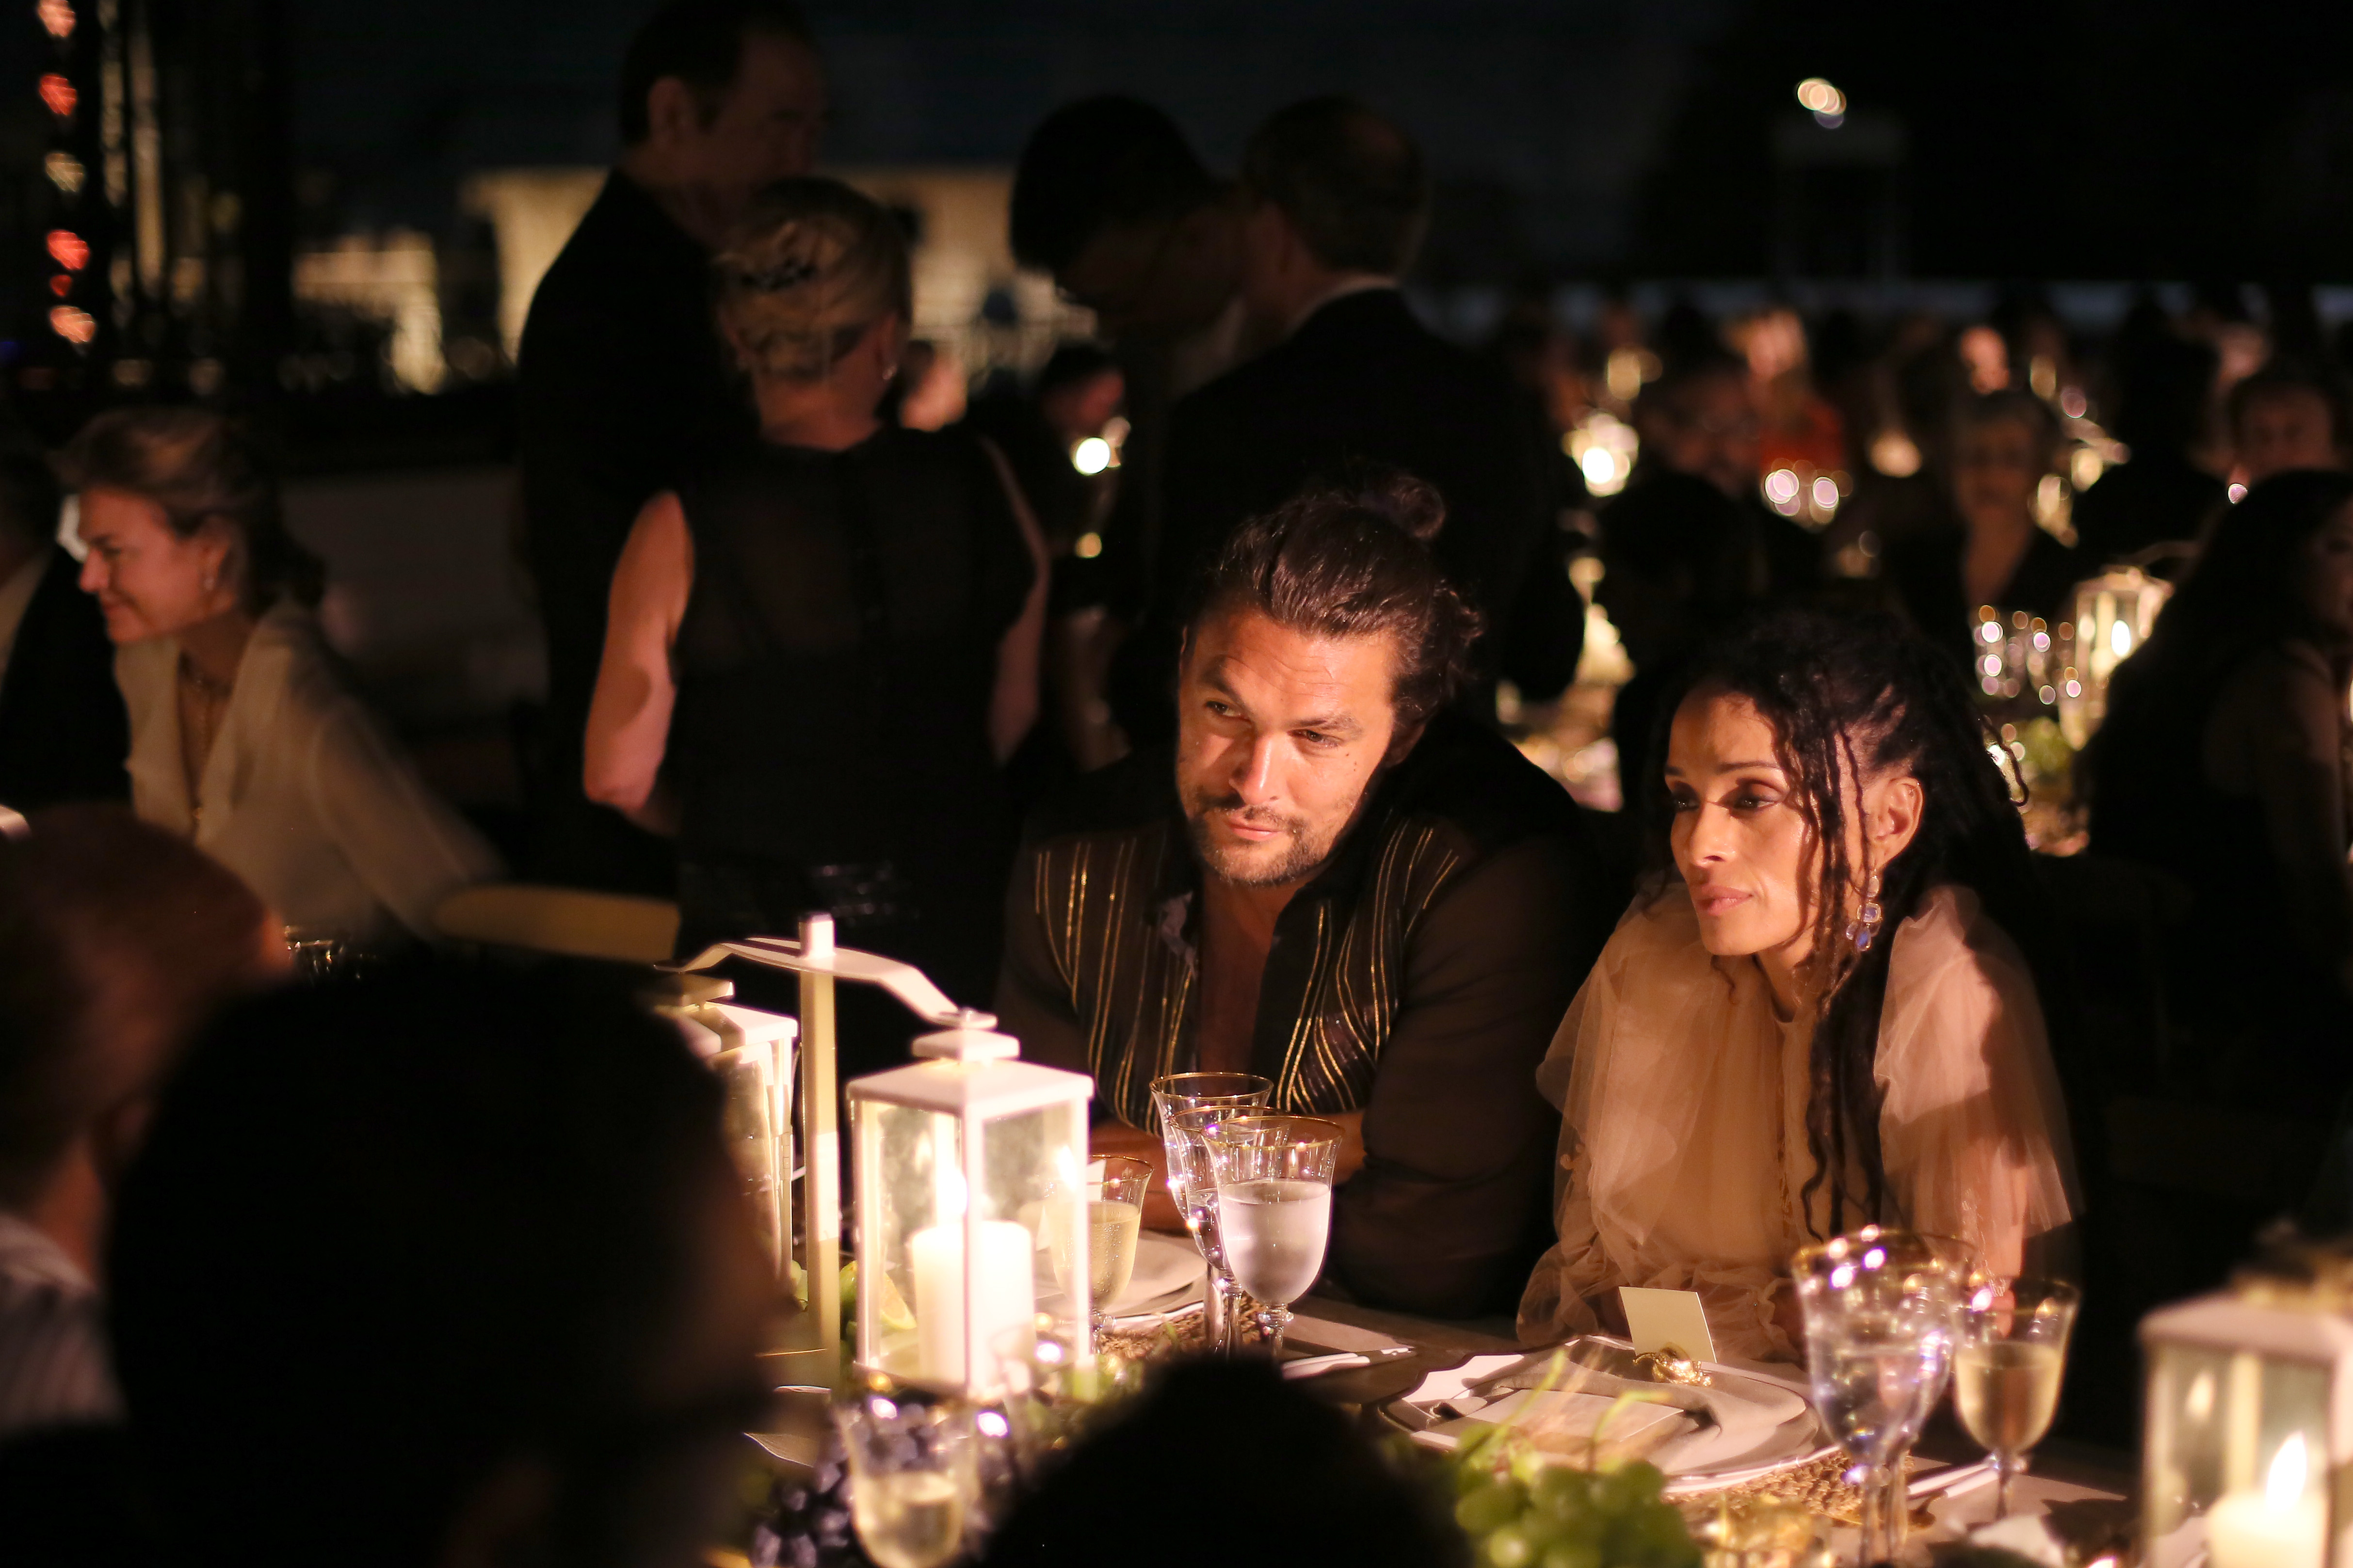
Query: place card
point(1658, 1318)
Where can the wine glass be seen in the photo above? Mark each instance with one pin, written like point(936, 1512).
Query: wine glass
point(1114, 1189)
point(1274, 1207)
point(2006, 1367)
point(913, 1477)
point(1880, 1307)
point(1173, 1096)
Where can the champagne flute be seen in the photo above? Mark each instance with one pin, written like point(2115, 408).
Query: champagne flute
point(2005, 1369)
point(1114, 1186)
point(1173, 1095)
point(1880, 1307)
point(913, 1477)
point(1274, 1207)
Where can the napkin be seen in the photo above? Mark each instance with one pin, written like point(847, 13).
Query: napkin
point(1678, 1427)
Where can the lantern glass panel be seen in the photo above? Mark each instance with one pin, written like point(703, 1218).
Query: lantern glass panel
point(2239, 1441)
point(936, 1184)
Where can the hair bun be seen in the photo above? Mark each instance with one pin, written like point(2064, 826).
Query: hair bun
point(1411, 505)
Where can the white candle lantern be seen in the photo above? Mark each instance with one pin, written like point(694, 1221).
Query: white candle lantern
point(969, 1168)
point(2109, 619)
point(2250, 1424)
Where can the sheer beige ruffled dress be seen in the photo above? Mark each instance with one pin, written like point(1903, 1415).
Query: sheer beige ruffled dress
point(1683, 1154)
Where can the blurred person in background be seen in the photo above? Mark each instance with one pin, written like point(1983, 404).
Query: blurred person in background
point(1538, 356)
point(928, 393)
point(1679, 559)
point(2161, 382)
point(1072, 489)
point(1337, 199)
point(824, 645)
point(2286, 416)
point(116, 940)
point(1700, 417)
point(1796, 428)
point(1110, 199)
point(2223, 761)
point(246, 735)
point(513, 1192)
point(1994, 553)
point(623, 387)
point(63, 734)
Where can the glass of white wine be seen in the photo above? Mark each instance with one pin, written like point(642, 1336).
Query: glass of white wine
point(1274, 1207)
point(1115, 1186)
point(912, 1476)
point(1879, 1307)
point(2007, 1368)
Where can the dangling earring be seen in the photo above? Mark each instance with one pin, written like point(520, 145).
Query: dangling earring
point(1863, 930)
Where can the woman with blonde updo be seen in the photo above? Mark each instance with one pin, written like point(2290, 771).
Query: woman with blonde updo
point(821, 649)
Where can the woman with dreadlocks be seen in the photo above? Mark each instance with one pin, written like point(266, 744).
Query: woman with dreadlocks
point(1825, 1018)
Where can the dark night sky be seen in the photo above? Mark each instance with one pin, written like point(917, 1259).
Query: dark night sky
point(2047, 137)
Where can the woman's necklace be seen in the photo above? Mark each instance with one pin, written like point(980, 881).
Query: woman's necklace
point(203, 702)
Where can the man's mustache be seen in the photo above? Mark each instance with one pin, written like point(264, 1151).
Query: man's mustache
point(1257, 816)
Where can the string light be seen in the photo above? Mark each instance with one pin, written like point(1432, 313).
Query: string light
point(60, 95)
point(58, 16)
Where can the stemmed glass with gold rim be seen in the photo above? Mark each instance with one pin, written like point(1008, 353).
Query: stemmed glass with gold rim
point(2005, 1369)
point(1187, 1102)
point(1274, 1207)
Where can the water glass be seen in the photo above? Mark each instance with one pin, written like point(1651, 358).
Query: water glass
point(912, 1476)
point(1114, 1192)
point(1173, 1096)
point(1274, 1207)
point(2007, 1366)
point(1881, 1307)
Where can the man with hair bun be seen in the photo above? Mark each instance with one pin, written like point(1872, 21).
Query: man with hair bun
point(1334, 881)
point(624, 388)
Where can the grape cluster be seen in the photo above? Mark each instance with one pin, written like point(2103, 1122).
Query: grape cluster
point(1554, 1517)
point(808, 1525)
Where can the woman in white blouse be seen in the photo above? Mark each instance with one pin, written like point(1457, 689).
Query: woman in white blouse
point(1824, 1021)
point(243, 735)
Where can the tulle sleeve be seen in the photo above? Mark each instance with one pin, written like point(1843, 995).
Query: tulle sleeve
point(1664, 1073)
point(1973, 1131)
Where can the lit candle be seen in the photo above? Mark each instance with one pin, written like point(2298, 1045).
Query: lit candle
point(2279, 1527)
point(1003, 1294)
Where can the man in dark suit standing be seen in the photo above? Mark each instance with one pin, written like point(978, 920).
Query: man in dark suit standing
point(1336, 201)
point(624, 385)
point(63, 734)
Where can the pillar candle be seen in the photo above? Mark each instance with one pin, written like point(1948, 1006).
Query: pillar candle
point(1004, 1295)
point(2248, 1530)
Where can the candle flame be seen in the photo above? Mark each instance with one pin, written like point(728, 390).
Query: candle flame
point(2284, 1482)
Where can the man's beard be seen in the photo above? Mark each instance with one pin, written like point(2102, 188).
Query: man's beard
point(1298, 858)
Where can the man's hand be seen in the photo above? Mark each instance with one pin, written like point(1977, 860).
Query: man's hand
point(1159, 1208)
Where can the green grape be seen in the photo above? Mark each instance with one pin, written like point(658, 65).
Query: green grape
point(1640, 1479)
point(1468, 1479)
point(1572, 1554)
point(1491, 1508)
point(1508, 1547)
point(1564, 1494)
point(1541, 1528)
